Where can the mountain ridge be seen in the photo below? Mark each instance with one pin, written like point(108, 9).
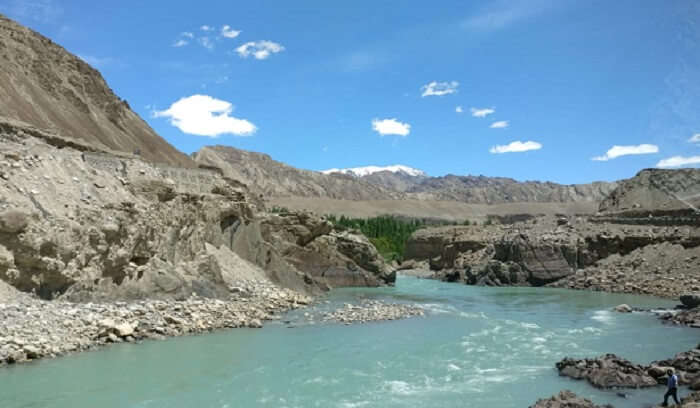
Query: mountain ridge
point(276, 179)
point(46, 86)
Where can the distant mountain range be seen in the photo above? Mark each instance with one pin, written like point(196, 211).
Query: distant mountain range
point(276, 179)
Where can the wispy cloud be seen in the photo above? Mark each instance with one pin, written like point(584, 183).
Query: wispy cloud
point(503, 13)
point(515, 147)
point(228, 32)
point(695, 138)
point(206, 28)
point(617, 151)
point(482, 113)
point(439, 88)
point(678, 161)
point(206, 42)
point(501, 124)
point(187, 34)
point(260, 50)
point(203, 115)
point(390, 127)
point(459, 109)
point(180, 43)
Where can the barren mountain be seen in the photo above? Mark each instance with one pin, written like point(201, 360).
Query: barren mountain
point(656, 190)
point(491, 190)
point(44, 85)
point(276, 179)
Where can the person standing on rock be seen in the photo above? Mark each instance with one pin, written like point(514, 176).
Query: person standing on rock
point(672, 385)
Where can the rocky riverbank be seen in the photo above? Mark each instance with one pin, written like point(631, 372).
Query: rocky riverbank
point(32, 328)
point(611, 371)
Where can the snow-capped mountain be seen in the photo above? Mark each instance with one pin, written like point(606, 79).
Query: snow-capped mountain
point(367, 170)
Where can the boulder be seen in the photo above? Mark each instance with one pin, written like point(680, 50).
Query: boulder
point(623, 308)
point(14, 221)
point(125, 329)
point(690, 300)
point(31, 352)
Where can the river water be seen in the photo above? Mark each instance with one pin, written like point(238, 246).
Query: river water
point(476, 347)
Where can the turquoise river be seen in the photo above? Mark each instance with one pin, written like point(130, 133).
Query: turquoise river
point(476, 347)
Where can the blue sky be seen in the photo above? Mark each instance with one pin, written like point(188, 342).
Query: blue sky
point(320, 84)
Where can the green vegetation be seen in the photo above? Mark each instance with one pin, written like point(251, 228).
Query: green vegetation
point(279, 210)
point(389, 234)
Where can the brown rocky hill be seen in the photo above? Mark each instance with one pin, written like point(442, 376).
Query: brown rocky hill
point(656, 190)
point(494, 190)
point(44, 85)
point(276, 179)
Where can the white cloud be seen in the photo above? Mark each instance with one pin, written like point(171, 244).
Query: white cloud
point(516, 147)
point(203, 115)
point(482, 113)
point(459, 109)
point(439, 88)
point(391, 127)
point(501, 124)
point(187, 34)
point(227, 32)
point(617, 151)
point(695, 138)
point(180, 43)
point(678, 161)
point(206, 42)
point(259, 49)
point(206, 28)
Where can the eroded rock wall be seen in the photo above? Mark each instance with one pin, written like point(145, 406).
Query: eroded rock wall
point(90, 225)
point(565, 252)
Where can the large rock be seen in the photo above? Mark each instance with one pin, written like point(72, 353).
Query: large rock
point(14, 221)
point(607, 371)
point(567, 399)
point(690, 300)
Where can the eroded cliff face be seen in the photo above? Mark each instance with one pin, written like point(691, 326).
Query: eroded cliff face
point(572, 253)
point(86, 225)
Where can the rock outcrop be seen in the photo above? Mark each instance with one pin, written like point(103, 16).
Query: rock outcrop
point(611, 371)
point(567, 399)
point(564, 252)
point(93, 226)
point(686, 365)
point(45, 86)
point(607, 371)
